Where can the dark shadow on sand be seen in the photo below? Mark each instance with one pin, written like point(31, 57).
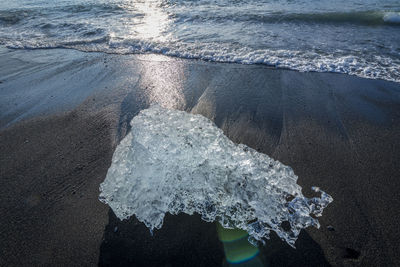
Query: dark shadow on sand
point(188, 241)
point(182, 241)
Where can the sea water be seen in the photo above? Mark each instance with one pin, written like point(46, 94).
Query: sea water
point(357, 37)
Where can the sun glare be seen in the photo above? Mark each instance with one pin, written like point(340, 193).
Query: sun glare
point(148, 20)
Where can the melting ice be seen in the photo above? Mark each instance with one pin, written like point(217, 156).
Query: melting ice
point(173, 161)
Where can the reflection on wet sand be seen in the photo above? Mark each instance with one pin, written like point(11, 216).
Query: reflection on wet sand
point(163, 86)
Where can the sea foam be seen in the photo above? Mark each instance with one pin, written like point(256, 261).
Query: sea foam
point(392, 17)
point(176, 162)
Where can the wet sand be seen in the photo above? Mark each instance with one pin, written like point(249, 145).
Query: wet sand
point(62, 113)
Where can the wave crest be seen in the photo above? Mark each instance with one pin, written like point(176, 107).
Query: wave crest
point(392, 17)
point(366, 18)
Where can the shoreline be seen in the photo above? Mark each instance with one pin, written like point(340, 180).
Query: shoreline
point(64, 111)
point(75, 96)
point(304, 67)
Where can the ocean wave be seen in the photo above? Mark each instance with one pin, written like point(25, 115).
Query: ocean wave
point(366, 18)
point(93, 8)
point(377, 67)
point(324, 39)
point(12, 17)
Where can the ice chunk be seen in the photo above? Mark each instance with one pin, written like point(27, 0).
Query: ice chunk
point(173, 161)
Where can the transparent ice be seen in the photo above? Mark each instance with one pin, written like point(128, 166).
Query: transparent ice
point(173, 161)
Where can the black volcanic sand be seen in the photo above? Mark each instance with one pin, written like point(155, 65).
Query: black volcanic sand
point(62, 113)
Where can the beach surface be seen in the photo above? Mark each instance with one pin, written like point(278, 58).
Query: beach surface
point(63, 112)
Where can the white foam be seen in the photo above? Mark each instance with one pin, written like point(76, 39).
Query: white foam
point(372, 67)
point(173, 161)
point(392, 17)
